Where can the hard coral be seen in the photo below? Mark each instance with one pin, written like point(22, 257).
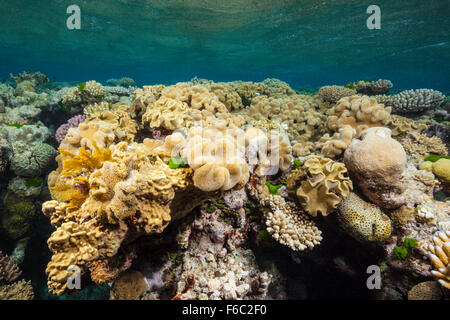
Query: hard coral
point(289, 226)
point(9, 271)
point(333, 94)
point(363, 220)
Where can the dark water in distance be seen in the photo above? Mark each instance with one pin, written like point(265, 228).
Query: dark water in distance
point(306, 42)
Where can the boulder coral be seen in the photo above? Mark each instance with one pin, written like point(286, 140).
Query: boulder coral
point(319, 185)
point(376, 161)
point(363, 220)
point(333, 94)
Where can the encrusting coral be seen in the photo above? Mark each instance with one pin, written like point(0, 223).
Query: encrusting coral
point(320, 184)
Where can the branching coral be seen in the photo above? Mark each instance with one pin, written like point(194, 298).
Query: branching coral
point(373, 87)
point(9, 271)
point(412, 101)
point(320, 185)
point(20, 290)
point(421, 144)
point(289, 226)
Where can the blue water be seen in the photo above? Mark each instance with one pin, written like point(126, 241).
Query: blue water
point(163, 41)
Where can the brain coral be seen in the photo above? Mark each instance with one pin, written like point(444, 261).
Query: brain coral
point(34, 161)
point(289, 226)
point(362, 220)
point(333, 94)
point(129, 286)
point(320, 185)
point(441, 169)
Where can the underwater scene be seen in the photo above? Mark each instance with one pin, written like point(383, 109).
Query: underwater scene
point(224, 150)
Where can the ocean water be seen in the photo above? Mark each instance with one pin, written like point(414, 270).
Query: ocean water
point(243, 46)
point(305, 43)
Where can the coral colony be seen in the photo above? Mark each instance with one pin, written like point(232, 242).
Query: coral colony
point(179, 191)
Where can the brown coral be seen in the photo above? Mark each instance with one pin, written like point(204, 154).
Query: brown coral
point(9, 271)
point(129, 286)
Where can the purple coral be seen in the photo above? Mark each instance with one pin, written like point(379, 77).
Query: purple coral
point(71, 123)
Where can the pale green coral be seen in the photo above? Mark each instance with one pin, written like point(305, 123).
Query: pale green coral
point(17, 215)
point(34, 161)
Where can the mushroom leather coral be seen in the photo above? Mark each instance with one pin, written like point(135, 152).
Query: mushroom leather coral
point(320, 185)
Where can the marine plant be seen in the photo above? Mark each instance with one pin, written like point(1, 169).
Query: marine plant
point(273, 189)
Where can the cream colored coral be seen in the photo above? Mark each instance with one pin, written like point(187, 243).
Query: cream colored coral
point(400, 125)
point(300, 115)
point(217, 156)
point(289, 226)
point(358, 112)
point(226, 95)
point(439, 255)
point(421, 144)
point(94, 89)
point(144, 97)
point(320, 185)
point(167, 113)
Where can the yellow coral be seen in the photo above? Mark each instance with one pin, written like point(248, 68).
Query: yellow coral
point(439, 255)
point(441, 169)
point(320, 185)
point(363, 220)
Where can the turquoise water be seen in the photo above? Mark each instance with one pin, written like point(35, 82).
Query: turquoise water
point(302, 42)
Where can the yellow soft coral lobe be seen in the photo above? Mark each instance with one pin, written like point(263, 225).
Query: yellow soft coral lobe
point(68, 182)
point(74, 164)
